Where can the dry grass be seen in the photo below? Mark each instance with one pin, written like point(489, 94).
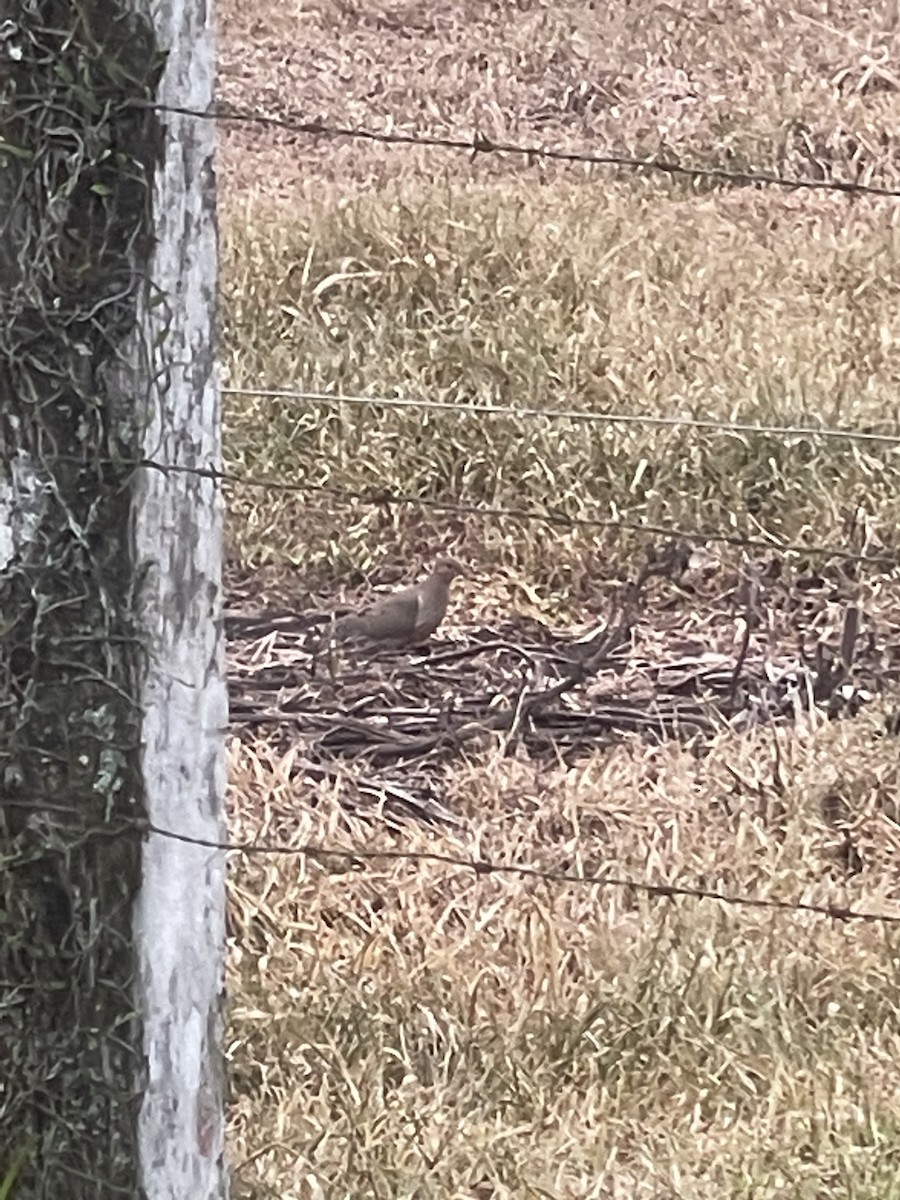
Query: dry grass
point(631, 300)
point(415, 1031)
point(809, 89)
point(558, 287)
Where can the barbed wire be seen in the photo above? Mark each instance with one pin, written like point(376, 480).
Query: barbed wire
point(485, 866)
point(602, 417)
point(481, 144)
point(383, 495)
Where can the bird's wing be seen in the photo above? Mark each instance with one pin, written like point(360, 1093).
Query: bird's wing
point(394, 617)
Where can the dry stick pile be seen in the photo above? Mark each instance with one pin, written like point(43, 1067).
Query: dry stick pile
point(768, 648)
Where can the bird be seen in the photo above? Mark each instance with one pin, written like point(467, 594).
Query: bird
point(405, 618)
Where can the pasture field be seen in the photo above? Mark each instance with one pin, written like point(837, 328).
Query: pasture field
point(412, 1028)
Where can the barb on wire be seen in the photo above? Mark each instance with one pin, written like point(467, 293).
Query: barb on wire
point(479, 144)
point(485, 866)
point(602, 417)
point(382, 495)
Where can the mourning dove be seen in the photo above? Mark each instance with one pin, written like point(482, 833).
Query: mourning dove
point(407, 617)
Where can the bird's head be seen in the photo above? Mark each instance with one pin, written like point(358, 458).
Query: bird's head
point(449, 568)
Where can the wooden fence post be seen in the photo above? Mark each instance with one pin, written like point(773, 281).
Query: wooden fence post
point(112, 693)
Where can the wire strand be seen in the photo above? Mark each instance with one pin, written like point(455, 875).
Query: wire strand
point(381, 495)
point(480, 144)
point(560, 414)
point(483, 866)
